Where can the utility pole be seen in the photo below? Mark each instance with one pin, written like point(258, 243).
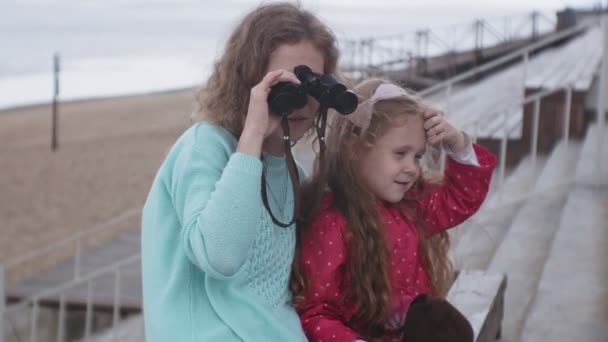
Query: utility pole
point(2, 302)
point(54, 128)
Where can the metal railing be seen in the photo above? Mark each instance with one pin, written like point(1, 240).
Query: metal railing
point(34, 301)
point(535, 100)
point(406, 49)
point(523, 54)
point(601, 100)
point(77, 242)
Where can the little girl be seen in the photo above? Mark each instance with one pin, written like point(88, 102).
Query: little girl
point(374, 233)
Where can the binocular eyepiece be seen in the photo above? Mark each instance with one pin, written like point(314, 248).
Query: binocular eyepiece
point(285, 97)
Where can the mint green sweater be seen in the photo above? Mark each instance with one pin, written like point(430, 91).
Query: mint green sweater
point(215, 267)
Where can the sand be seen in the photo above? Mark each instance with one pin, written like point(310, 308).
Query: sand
point(109, 152)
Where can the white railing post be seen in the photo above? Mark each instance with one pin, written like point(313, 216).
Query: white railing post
point(475, 131)
point(524, 73)
point(503, 152)
point(88, 322)
point(77, 259)
point(567, 109)
point(448, 97)
point(117, 290)
point(371, 44)
point(2, 302)
point(34, 323)
point(61, 318)
point(601, 101)
point(535, 124)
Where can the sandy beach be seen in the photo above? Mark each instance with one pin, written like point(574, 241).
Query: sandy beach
point(109, 152)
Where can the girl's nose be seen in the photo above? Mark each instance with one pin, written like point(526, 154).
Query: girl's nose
point(409, 166)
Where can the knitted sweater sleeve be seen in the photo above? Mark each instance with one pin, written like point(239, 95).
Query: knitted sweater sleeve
point(216, 195)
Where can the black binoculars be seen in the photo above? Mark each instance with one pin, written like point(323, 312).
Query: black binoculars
point(285, 97)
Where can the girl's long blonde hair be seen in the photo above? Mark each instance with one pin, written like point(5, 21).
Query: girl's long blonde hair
point(224, 99)
point(368, 255)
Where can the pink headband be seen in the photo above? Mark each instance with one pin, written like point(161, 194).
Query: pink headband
point(362, 116)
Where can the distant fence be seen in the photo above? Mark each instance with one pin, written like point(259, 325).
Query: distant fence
point(405, 49)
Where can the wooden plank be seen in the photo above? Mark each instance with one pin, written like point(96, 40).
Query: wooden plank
point(480, 297)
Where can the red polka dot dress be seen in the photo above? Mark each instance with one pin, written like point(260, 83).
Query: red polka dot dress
point(326, 313)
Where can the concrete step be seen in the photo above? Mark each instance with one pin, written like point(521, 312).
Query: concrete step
point(519, 182)
point(571, 301)
point(130, 329)
point(593, 168)
point(560, 168)
point(524, 250)
point(476, 240)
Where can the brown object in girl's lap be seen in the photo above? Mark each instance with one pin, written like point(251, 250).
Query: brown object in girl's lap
point(435, 320)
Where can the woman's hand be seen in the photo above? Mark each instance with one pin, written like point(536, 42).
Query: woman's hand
point(259, 124)
point(440, 132)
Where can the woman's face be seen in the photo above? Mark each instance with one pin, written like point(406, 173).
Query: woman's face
point(287, 57)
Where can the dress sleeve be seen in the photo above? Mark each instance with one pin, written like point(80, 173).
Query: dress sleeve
point(323, 313)
point(464, 189)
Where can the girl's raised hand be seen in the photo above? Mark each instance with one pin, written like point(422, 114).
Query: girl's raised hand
point(440, 132)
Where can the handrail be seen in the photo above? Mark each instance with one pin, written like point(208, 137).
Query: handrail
point(361, 54)
point(508, 58)
point(74, 282)
point(535, 99)
point(34, 300)
point(78, 236)
point(529, 99)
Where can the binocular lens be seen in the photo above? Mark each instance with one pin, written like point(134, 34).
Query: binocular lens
point(286, 97)
point(346, 102)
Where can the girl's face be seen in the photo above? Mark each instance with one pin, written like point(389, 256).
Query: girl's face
point(287, 57)
point(392, 165)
